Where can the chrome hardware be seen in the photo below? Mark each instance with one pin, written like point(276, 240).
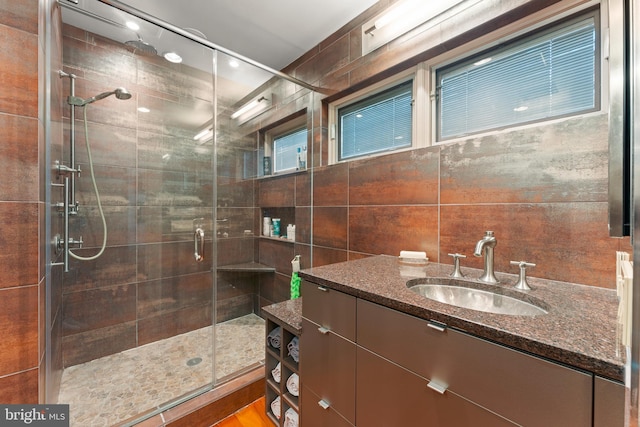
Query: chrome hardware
point(71, 242)
point(198, 243)
point(485, 247)
point(66, 169)
point(456, 265)
point(323, 289)
point(437, 387)
point(324, 404)
point(440, 327)
point(323, 330)
point(522, 278)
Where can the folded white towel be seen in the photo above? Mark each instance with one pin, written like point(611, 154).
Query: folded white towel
point(275, 407)
point(292, 384)
point(290, 418)
point(293, 348)
point(275, 372)
point(274, 337)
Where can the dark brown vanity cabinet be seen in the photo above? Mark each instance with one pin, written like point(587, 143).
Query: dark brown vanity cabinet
point(328, 358)
point(516, 386)
point(389, 395)
point(368, 365)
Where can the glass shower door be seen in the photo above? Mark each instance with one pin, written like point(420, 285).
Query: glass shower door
point(136, 331)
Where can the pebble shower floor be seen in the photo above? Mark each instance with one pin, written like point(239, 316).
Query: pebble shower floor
point(112, 389)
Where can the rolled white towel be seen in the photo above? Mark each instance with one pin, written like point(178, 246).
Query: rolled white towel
point(275, 407)
point(274, 337)
point(290, 418)
point(275, 372)
point(293, 348)
point(293, 384)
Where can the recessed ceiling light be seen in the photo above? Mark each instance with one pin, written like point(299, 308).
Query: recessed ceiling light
point(144, 110)
point(173, 57)
point(233, 63)
point(132, 26)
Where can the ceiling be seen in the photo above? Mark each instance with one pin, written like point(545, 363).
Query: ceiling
point(271, 32)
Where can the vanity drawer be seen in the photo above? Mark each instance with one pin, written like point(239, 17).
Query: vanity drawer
point(315, 415)
point(328, 368)
point(525, 389)
point(332, 309)
point(389, 395)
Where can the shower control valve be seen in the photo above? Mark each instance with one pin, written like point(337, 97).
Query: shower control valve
point(66, 169)
point(76, 243)
point(72, 242)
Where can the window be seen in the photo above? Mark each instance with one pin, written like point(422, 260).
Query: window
point(290, 151)
point(549, 75)
point(381, 122)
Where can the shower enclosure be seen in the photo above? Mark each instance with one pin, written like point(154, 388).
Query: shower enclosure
point(159, 301)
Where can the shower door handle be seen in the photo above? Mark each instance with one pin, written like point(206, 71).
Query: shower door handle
point(198, 243)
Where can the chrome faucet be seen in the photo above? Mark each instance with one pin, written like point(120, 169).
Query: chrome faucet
point(485, 247)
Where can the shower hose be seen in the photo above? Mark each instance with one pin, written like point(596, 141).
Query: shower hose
point(95, 189)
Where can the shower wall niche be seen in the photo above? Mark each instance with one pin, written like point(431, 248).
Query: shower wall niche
point(154, 181)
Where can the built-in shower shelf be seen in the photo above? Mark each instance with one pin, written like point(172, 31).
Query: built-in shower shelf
point(250, 267)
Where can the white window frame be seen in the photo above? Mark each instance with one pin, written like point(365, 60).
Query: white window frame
point(532, 35)
point(419, 76)
point(298, 123)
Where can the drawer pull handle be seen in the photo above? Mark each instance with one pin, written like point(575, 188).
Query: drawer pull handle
point(435, 386)
point(324, 404)
point(323, 289)
point(323, 330)
point(440, 327)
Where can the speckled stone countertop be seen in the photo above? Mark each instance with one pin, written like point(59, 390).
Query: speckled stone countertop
point(578, 330)
point(287, 312)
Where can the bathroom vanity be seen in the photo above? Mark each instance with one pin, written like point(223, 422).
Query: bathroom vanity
point(374, 353)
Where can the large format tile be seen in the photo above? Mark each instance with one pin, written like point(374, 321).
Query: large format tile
point(567, 241)
point(19, 323)
point(406, 178)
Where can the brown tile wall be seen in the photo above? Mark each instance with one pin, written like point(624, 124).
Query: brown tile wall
point(22, 357)
point(542, 189)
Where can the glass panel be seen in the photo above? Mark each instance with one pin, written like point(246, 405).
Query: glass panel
point(379, 123)
point(137, 322)
point(551, 75)
point(146, 326)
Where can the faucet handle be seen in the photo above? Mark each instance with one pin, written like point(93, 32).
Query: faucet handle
point(456, 265)
point(522, 284)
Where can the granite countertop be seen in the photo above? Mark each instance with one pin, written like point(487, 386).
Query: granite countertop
point(580, 328)
point(288, 312)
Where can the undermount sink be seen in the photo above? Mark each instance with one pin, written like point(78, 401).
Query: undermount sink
point(459, 293)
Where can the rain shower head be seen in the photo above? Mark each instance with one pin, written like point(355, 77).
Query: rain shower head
point(141, 47)
point(120, 93)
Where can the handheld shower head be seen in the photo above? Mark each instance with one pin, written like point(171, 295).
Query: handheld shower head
point(120, 93)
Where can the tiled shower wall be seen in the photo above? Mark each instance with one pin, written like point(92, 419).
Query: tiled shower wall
point(542, 188)
point(22, 282)
point(147, 285)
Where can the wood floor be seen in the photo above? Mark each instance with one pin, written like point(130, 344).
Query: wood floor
point(250, 416)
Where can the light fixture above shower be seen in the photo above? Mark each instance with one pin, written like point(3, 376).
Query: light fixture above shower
point(252, 108)
point(204, 135)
